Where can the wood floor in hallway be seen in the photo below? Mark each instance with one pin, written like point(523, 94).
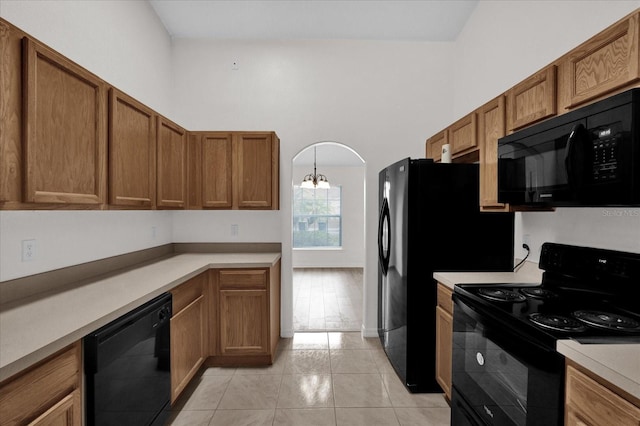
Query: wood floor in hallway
point(327, 299)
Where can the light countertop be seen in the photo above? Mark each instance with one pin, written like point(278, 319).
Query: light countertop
point(32, 329)
point(528, 273)
point(619, 364)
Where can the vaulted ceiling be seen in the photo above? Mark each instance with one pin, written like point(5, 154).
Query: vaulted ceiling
point(419, 20)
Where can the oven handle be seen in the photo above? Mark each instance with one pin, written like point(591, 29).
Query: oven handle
point(476, 316)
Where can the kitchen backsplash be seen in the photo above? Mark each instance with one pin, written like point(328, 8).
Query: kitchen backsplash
point(610, 228)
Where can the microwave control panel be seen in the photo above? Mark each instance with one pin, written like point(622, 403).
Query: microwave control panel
point(606, 144)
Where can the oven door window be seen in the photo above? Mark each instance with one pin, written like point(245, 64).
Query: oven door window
point(504, 379)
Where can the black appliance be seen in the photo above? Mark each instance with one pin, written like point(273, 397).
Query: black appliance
point(506, 370)
point(430, 221)
point(127, 368)
point(586, 157)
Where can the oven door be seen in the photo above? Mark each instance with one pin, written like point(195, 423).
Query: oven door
point(502, 377)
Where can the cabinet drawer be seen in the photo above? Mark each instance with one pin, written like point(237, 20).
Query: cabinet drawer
point(242, 279)
point(186, 293)
point(595, 404)
point(444, 298)
point(28, 396)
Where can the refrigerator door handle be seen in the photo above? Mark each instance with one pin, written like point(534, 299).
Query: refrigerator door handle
point(384, 237)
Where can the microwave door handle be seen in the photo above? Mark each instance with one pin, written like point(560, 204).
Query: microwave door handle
point(574, 157)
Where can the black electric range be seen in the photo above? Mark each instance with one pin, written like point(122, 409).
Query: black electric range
point(506, 370)
point(587, 294)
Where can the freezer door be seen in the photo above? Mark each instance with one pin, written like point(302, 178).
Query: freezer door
point(392, 271)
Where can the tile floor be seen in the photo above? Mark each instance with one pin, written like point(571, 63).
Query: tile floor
point(321, 378)
point(327, 299)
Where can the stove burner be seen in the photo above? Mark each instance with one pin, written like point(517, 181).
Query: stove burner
point(538, 293)
point(557, 322)
point(608, 321)
point(501, 295)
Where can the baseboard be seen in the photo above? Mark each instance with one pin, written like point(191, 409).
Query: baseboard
point(369, 332)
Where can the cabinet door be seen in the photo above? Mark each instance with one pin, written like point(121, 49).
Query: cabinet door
point(444, 337)
point(590, 403)
point(48, 392)
point(172, 164)
point(463, 135)
point(244, 322)
point(217, 181)
point(532, 100)
point(11, 108)
point(490, 129)
point(67, 412)
point(187, 345)
point(65, 130)
point(256, 179)
point(608, 61)
point(444, 349)
point(132, 152)
point(434, 145)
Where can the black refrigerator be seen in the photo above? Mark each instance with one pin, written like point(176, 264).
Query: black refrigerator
point(429, 221)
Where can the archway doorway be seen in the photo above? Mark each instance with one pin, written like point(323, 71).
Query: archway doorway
point(328, 241)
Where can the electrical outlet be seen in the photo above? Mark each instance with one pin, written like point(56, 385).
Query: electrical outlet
point(153, 232)
point(234, 230)
point(28, 250)
point(526, 239)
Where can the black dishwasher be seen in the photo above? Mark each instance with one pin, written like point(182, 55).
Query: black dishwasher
point(127, 368)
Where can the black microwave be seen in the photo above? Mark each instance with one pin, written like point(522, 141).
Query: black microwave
point(586, 157)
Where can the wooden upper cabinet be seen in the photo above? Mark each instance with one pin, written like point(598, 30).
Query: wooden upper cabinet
point(491, 127)
point(434, 145)
point(10, 113)
point(257, 159)
point(172, 164)
point(234, 170)
point(65, 130)
point(532, 100)
point(210, 170)
point(463, 135)
point(132, 152)
point(606, 62)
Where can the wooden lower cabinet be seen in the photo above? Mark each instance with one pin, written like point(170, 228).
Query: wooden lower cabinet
point(244, 322)
point(49, 393)
point(444, 338)
point(246, 327)
point(589, 401)
point(188, 332)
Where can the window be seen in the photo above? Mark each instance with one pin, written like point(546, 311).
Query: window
point(317, 217)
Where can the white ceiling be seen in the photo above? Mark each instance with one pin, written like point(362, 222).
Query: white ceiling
point(417, 20)
point(420, 20)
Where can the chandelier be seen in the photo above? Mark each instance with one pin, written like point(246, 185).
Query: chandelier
point(315, 180)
